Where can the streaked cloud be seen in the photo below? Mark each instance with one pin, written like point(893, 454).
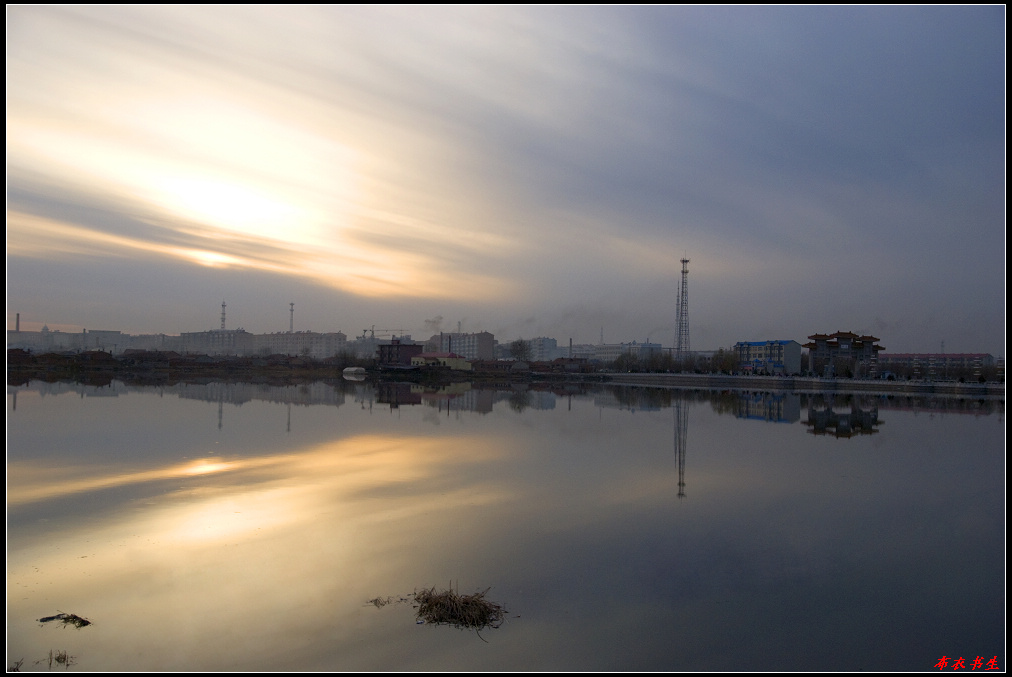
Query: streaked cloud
point(515, 161)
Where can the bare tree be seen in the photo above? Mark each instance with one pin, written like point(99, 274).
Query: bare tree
point(521, 350)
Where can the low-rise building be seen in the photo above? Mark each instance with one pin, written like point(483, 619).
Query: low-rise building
point(938, 365)
point(609, 352)
point(450, 360)
point(769, 357)
point(399, 353)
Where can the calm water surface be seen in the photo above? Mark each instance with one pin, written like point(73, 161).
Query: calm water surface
point(246, 527)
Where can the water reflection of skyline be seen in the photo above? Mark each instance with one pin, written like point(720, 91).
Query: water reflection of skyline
point(842, 417)
point(681, 441)
point(119, 507)
point(768, 406)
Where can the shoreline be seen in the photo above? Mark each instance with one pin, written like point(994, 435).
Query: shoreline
point(102, 368)
point(808, 384)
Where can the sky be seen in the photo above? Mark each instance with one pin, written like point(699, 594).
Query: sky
point(528, 171)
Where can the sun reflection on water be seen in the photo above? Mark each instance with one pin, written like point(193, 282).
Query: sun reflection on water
point(205, 466)
point(319, 530)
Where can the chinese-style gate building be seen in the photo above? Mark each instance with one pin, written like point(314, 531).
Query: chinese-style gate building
point(843, 354)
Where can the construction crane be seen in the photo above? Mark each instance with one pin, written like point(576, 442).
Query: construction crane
point(371, 331)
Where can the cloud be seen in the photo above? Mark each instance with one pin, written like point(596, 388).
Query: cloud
point(513, 161)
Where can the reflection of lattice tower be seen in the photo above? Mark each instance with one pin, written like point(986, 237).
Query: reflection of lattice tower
point(682, 342)
point(681, 408)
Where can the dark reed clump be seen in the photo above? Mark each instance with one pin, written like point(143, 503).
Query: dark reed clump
point(460, 611)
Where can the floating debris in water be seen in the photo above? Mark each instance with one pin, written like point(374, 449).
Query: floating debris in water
point(67, 619)
point(380, 602)
point(60, 657)
point(460, 611)
point(450, 608)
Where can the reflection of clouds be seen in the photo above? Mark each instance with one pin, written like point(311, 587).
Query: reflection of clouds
point(569, 514)
point(204, 467)
point(30, 482)
point(256, 553)
point(357, 463)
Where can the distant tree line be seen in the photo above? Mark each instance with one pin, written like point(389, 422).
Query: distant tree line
point(724, 361)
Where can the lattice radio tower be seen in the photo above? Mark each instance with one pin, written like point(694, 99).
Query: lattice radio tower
point(682, 341)
point(681, 408)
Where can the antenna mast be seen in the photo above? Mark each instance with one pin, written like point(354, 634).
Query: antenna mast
point(682, 343)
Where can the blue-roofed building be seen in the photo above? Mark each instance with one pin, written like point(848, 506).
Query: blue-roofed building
point(769, 357)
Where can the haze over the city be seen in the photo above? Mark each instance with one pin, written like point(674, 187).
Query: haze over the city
point(528, 171)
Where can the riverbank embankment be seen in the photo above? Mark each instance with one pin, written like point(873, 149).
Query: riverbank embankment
point(807, 384)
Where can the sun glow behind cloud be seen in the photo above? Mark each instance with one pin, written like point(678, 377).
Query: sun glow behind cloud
point(360, 176)
point(515, 162)
point(292, 196)
point(230, 206)
point(249, 173)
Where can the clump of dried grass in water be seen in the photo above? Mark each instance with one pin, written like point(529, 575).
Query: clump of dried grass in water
point(61, 657)
point(67, 619)
point(461, 611)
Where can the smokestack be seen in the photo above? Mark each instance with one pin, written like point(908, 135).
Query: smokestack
point(291, 319)
point(570, 347)
point(17, 324)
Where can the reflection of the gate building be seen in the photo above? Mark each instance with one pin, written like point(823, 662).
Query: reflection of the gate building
point(842, 415)
point(828, 414)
